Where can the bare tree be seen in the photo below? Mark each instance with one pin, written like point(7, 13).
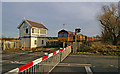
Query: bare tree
point(110, 23)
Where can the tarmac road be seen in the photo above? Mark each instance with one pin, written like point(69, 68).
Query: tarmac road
point(73, 63)
point(98, 64)
point(14, 59)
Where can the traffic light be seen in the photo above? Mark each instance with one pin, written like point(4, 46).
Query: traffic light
point(77, 30)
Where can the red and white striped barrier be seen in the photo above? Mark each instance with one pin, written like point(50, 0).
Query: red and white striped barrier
point(30, 64)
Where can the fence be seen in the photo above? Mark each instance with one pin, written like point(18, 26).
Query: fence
point(4, 44)
point(44, 64)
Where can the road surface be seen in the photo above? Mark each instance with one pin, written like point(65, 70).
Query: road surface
point(97, 64)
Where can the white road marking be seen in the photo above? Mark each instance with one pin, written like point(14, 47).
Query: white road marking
point(88, 70)
point(74, 64)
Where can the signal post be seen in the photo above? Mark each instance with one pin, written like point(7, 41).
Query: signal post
point(77, 30)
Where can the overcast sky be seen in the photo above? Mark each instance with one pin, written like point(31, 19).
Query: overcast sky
point(52, 15)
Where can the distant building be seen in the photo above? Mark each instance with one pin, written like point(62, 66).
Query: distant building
point(32, 34)
point(9, 43)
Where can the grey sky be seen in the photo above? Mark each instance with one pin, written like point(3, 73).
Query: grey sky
point(52, 15)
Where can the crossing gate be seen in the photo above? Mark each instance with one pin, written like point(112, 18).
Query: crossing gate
point(44, 64)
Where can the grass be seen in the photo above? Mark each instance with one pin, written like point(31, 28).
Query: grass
point(98, 48)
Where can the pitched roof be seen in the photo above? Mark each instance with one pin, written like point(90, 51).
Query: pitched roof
point(33, 24)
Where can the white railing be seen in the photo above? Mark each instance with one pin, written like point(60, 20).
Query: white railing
point(44, 64)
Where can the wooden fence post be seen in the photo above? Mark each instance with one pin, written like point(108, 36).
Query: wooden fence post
point(3, 45)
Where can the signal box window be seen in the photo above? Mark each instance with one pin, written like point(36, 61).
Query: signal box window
point(35, 42)
point(42, 41)
point(32, 30)
point(26, 30)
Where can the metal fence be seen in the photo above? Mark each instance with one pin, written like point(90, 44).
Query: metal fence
point(44, 64)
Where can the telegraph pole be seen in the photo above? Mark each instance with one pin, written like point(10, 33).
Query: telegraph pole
point(63, 41)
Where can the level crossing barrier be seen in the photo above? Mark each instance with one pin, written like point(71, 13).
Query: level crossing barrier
point(44, 64)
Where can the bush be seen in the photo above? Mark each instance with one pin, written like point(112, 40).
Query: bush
point(99, 48)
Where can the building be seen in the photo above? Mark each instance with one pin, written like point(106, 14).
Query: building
point(32, 34)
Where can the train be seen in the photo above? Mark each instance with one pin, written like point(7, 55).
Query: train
point(68, 36)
